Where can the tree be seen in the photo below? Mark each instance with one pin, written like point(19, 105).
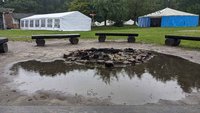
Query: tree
point(119, 11)
point(192, 6)
point(22, 5)
point(135, 8)
point(37, 6)
point(102, 9)
point(84, 6)
point(115, 10)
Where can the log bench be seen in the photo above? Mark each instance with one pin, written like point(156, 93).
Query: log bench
point(172, 40)
point(3, 45)
point(73, 38)
point(131, 36)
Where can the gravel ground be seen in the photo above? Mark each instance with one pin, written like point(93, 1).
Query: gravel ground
point(22, 51)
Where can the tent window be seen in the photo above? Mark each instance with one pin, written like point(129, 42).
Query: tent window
point(43, 23)
point(57, 23)
point(22, 23)
point(31, 23)
point(49, 22)
point(26, 23)
point(37, 23)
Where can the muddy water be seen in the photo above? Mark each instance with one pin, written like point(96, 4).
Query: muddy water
point(163, 77)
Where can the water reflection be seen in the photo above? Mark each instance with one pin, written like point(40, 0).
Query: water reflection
point(162, 67)
point(163, 77)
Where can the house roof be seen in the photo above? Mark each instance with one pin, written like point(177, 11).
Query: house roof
point(169, 12)
point(21, 15)
point(6, 10)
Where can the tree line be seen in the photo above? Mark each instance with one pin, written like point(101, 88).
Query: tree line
point(116, 10)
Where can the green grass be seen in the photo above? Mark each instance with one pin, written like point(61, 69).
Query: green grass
point(147, 35)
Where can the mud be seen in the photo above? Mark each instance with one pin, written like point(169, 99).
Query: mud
point(54, 50)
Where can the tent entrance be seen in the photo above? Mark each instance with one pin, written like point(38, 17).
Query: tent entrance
point(156, 22)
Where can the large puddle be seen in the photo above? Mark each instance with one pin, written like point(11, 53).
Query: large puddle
point(163, 77)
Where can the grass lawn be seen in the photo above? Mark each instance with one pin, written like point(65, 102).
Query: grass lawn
point(147, 35)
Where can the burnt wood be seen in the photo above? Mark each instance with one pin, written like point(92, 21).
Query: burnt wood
point(131, 36)
point(173, 40)
point(73, 38)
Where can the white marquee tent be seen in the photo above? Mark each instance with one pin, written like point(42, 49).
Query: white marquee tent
point(97, 23)
point(129, 22)
point(67, 21)
point(108, 23)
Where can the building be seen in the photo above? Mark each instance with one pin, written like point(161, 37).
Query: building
point(10, 20)
point(67, 21)
point(4, 17)
point(16, 17)
point(169, 18)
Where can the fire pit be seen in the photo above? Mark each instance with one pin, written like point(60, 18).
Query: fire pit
point(109, 57)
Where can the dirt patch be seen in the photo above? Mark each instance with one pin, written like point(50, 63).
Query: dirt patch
point(22, 51)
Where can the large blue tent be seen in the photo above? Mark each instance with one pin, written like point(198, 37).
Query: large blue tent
point(169, 18)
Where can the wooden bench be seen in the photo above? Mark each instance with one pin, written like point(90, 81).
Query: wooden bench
point(73, 38)
point(131, 36)
point(172, 40)
point(3, 45)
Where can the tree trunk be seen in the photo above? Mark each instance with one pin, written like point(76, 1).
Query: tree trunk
point(105, 19)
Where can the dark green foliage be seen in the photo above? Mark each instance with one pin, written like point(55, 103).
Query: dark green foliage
point(83, 6)
point(38, 6)
point(116, 10)
point(192, 6)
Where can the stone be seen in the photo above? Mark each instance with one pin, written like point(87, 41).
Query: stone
point(109, 57)
point(93, 49)
point(126, 62)
point(109, 64)
point(139, 58)
point(85, 57)
point(101, 56)
point(65, 56)
point(92, 61)
point(129, 50)
point(100, 61)
point(96, 56)
point(82, 61)
point(106, 57)
point(121, 54)
point(30, 99)
point(132, 60)
point(73, 59)
point(118, 62)
point(118, 57)
point(144, 54)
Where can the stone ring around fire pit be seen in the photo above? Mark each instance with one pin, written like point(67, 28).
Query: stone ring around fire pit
point(109, 57)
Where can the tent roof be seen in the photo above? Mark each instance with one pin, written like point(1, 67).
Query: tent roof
point(169, 12)
point(129, 21)
point(53, 15)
